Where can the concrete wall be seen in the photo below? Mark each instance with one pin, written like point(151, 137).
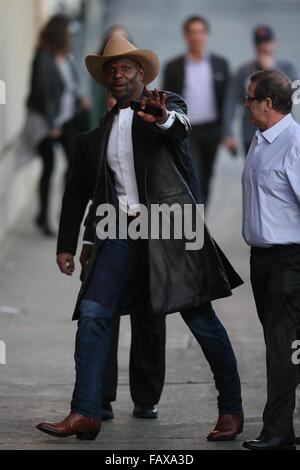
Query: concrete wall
point(19, 24)
point(20, 21)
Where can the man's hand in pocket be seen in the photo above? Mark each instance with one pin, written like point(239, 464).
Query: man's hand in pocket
point(85, 255)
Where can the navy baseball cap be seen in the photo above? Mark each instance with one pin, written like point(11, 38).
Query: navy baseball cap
point(263, 33)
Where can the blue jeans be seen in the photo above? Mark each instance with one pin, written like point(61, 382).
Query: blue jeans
point(215, 344)
point(119, 265)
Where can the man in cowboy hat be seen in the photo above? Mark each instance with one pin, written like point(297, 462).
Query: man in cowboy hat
point(143, 161)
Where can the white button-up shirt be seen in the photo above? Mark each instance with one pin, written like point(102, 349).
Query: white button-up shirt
point(271, 186)
point(199, 92)
point(121, 161)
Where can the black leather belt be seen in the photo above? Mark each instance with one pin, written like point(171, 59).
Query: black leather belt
point(273, 249)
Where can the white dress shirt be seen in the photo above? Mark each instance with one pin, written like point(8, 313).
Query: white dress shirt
point(121, 161)
point(271, 186)
point(120, 158)
point(198, 91)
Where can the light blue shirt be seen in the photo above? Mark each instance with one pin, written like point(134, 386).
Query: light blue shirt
point(271, 186)
point(199, 92)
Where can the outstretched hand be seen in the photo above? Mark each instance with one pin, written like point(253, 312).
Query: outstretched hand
point(156, 99)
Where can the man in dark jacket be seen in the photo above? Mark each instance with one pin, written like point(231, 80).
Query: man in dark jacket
point(142, 164)
point(265, 48)
point(147, 355)
point(202, 79)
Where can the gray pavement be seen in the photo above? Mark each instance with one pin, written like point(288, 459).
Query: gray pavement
point(37, 381)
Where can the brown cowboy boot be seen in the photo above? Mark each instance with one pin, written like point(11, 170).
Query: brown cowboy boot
point(227, 428)
point(86, 429)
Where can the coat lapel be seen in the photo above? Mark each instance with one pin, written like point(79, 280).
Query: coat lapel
point(140, 130)
point(101, 193)
point(181, 74)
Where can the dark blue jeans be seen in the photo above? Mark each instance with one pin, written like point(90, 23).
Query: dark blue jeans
point(119, 265)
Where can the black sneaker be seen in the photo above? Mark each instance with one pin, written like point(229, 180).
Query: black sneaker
point(145, 412)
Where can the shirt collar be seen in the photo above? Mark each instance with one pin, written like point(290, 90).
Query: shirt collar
point(189, 60)
point(273, 132)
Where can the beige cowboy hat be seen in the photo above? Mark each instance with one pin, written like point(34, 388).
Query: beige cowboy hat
point(120, 47)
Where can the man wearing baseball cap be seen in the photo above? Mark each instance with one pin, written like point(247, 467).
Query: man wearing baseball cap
point(265, 46)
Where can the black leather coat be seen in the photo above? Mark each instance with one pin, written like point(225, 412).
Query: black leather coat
point(177, 278)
